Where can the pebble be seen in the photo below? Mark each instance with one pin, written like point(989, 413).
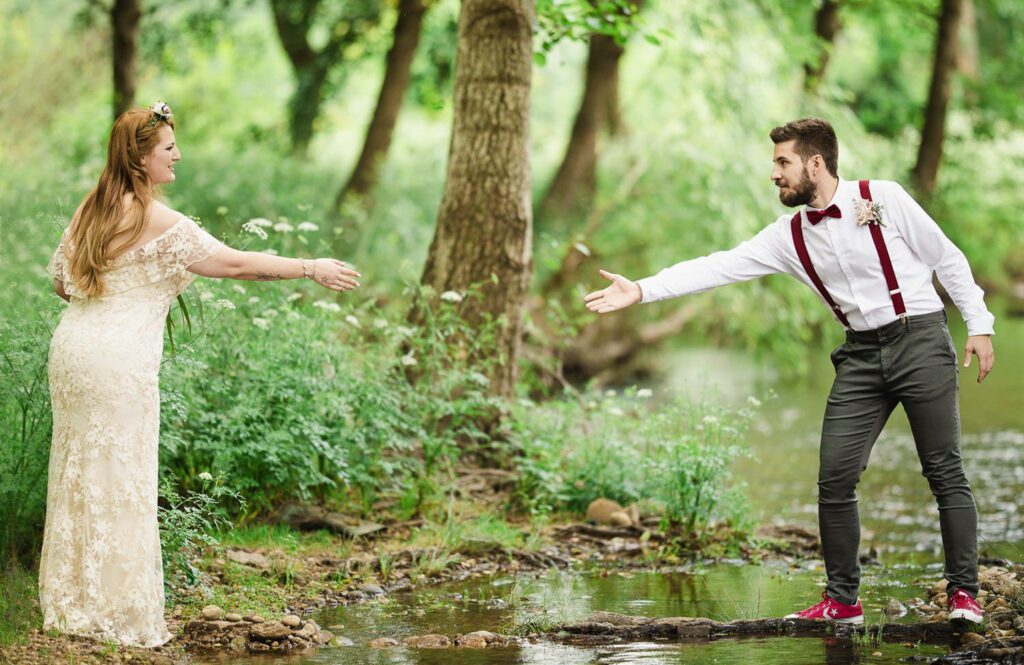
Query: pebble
point(343, 642)
point(233, 617)
point(372, 589)
point(256, 618)
point(970, 639)
point(291, 620)
point(212, 612)
point(428, 641)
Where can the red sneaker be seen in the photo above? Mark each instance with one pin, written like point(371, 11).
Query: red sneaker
point(832, 610)
point(962, 606)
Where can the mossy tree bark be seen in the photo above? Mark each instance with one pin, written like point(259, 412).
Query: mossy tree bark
point(484, 225)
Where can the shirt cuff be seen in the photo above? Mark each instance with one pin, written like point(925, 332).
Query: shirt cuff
point(981, 325)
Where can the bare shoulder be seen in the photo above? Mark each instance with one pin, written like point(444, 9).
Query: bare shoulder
point(160, 217)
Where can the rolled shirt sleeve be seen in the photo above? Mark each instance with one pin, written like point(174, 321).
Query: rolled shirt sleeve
point(759, 256)
point(924, 237)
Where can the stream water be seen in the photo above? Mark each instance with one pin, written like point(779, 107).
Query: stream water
point(899, 517)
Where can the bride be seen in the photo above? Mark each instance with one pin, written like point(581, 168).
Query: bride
point(122, 261)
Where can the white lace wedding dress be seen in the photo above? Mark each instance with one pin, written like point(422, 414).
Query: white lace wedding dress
point(101, 574)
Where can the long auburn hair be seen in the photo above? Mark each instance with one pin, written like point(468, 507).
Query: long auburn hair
point(102, 229)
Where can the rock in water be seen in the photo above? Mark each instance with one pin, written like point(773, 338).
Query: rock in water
point(270, 631)
point(384, 642)
point(428, 641)
point(894, 609)
point(291, 620)
point(212, 612)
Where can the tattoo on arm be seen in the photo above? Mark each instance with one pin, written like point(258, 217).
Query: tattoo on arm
point(268, 277)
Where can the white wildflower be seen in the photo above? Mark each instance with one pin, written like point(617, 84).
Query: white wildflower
point(710, 420)
point(262, 324)
point(238, 288)
point(292, 315)
point(222, 210)
point(308, 226)
point(292, 297)
point(206, 296)
point(754, 402)
point(250, 227)
point(260, 221)
point(224, 303)
point(253, 300)
point(582, 249)
point(352, 320)
point(283, 227)
point(380, 324)
point(205, 475)
point(591, 404)
point(272, 252)
point(269, 313)
point(406, 331)
point(327, 305)
point(645, 393)
point(409, 360)
point(609, 393)
point(616, 411)
point(451, 296)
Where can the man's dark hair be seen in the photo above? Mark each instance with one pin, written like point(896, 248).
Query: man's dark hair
point(813, 136)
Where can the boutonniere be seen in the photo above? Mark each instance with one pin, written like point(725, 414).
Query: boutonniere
point(869, 212)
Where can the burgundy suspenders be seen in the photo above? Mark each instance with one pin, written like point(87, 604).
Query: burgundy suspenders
point(883, 256)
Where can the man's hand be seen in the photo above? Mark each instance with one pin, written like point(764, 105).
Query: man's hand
point(621, 294)
point(981, 346)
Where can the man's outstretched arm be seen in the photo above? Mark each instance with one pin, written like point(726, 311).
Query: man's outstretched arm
point(761, 255)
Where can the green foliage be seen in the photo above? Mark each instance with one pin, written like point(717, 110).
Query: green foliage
point(19, 612)
point(25, 429)
point(576, 20)
point(188, 524)
point(673, 457)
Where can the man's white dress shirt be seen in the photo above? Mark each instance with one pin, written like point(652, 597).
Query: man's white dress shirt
point(844, 256)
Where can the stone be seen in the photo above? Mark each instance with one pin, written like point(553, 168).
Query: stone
point(479, 639)
point(256, 618)
point(232, 617)
point(269, 631)
point(212, 612)
point(938, 587)
point(472, 642)
point(309, 631)
point(342, 641)
point(428, 641)
point(384, 642)
point(238, 642)
point(970, 639)
point(291, 620)
point(258, 646)
point(254, 559)
point(372, 589)
point(894, 609)
point(324, 637)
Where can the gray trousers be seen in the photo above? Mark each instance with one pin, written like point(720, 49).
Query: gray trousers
point(912, 363)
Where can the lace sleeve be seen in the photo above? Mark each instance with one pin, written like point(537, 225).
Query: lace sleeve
point(57, 267)
point(184, 244)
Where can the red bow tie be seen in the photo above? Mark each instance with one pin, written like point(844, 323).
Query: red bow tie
point(815, 216)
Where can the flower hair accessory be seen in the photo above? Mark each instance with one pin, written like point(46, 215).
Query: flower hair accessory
point(160, 111)
point(868, 212)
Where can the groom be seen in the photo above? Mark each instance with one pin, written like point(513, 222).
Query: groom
point(868, 250)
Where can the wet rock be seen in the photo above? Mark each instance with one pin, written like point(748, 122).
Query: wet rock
point(480, 639)
point(894, 609)
point(269, 631)
point(212, 612)
point(232, 617)
point(324, 637)
point(970, 639)
point(428, 641)
point(291, 620)
point(372, 589)
point(384, 643)
point(343, 642)
point(938, 587)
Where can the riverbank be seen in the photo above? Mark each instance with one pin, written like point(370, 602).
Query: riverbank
point(271, 571)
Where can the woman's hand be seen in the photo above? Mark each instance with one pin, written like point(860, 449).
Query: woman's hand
point(333, 274)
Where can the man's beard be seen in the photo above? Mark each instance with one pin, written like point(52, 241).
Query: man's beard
point(800, 195)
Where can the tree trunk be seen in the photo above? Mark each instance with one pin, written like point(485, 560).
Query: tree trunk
point(396, 79)
point(573, 185)
point(305, 105)
point(125, 16)
point(484, 225)
point(926, 170)
point(826, 27)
